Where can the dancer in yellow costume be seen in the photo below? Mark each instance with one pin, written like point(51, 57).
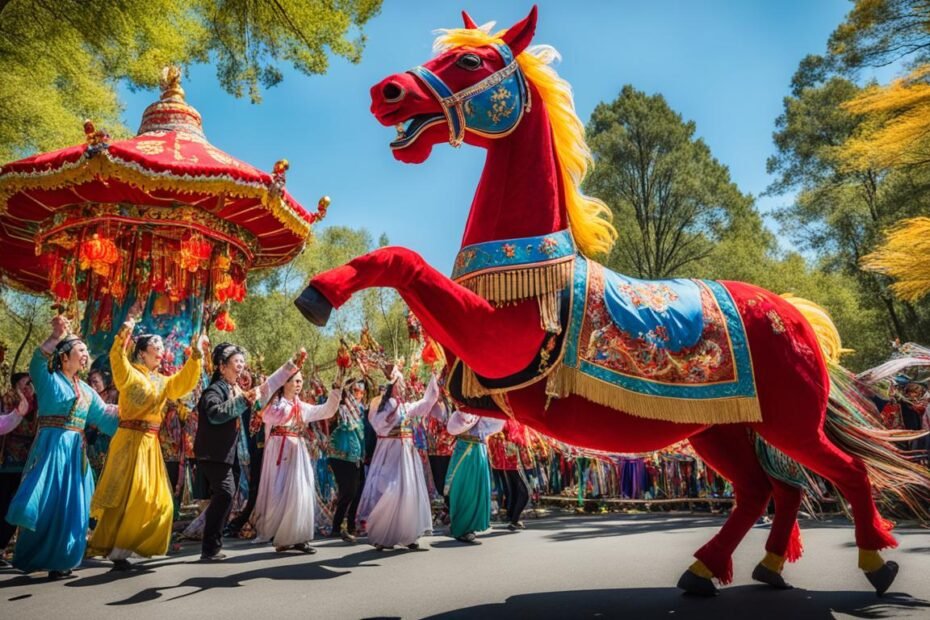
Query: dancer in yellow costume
point(133, 504)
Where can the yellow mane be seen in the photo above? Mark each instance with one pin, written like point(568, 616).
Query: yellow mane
point(589, 218)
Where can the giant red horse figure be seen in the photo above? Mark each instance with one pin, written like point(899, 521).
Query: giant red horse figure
point(500, 321)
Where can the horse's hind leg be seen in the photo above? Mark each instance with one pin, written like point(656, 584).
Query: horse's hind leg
point(816, 452)
point(784, 541)
point(729, 450)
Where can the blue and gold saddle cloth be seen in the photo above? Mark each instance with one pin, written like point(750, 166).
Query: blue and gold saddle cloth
point(672, 350)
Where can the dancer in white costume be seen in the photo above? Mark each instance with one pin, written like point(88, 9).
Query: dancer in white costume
point(395, 503)
point(284, 510)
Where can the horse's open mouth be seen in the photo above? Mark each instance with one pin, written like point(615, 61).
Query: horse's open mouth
point(410, 130)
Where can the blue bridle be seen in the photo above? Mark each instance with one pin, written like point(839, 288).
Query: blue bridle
point(492, 107)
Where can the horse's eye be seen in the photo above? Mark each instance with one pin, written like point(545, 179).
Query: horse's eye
point(471, 62)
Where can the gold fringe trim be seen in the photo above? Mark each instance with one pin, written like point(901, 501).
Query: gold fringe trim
point(541, 282)
point(104, 165)
point(471, 388)
point(566, 380)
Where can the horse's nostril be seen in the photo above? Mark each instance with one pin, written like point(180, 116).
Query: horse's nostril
point(392, 92)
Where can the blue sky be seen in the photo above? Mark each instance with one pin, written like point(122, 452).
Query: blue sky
point(724, 64)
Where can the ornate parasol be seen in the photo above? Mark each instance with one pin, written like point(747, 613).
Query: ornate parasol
point(164, 218)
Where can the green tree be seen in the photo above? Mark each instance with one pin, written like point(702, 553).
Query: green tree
point(271, 329)
point(62, 59)
point(837, 212)
point(669, 196)
point(877, 33)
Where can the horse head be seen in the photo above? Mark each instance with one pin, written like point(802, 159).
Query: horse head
point(474, 91)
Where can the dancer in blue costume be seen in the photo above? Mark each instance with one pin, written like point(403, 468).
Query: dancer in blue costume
point(468, 483)
point(51, 507)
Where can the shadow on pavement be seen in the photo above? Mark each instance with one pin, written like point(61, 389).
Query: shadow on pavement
point(303, 571)
point(756, 602)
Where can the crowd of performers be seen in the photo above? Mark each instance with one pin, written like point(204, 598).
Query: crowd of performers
point(287, 458)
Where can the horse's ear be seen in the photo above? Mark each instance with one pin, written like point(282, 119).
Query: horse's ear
point(469, 22)
point(519, 35)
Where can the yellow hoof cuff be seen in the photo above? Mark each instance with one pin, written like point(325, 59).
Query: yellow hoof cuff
point(870, 560)
point(774, 563)
point(699, 569)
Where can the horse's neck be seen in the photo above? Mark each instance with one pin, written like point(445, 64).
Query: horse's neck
point(520, 192)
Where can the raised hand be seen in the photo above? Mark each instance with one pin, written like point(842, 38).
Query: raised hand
point(22, 408)
point(204, 343)
point(300, 357)
point(340, 378)
point(61, 326)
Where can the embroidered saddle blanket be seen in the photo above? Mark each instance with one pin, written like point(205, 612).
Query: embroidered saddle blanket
point(672, 350)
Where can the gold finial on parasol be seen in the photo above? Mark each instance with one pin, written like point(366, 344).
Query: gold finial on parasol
point(170, 83)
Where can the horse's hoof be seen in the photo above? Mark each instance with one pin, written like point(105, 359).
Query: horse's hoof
point(314, 306)
point(882, 578)
point(767, 575)
point(699, 586)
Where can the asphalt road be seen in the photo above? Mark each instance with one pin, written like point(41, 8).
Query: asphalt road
point(610, 566)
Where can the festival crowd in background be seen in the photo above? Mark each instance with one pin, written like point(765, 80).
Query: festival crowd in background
point(132, 462)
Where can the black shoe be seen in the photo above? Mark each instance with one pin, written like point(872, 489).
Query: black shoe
point(882, 578)
point(304, 548)
point(4, 563)
point(216, 557)
point(765, 574)
point(59, 574)
point(469, 539)
point(231, 532)
point(120, 566)
point(414, 546)
point(699, 586)
point(314, 306)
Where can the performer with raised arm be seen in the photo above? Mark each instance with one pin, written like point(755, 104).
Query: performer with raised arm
point(219, 431)
point(51, 505)
point(395, 503)
point(284, 510)
point(133, 503)
point(468, 483)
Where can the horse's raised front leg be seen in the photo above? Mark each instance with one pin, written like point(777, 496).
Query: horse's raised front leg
point(495, 342)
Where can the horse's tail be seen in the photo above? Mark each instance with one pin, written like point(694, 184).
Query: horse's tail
point(853, 424)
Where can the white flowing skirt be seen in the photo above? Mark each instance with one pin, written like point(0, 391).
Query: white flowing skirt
point(284, 509)
point(395, 502)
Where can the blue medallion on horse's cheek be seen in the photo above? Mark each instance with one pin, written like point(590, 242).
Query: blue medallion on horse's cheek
point(498, 109)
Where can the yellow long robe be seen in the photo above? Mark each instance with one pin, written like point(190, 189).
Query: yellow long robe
point(132, 503)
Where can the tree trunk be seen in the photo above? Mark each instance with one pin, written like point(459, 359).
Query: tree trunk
point(22, 345)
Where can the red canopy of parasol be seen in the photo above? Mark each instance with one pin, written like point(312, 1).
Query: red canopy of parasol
point(169, 173)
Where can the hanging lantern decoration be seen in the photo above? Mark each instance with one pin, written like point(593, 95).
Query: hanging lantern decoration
point(195, 252)
point(224, 322)
point(98, 254)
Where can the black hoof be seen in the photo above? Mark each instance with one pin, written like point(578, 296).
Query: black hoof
point(882, 578)
point(767, 575)
point(314, 306)
point(699, 586)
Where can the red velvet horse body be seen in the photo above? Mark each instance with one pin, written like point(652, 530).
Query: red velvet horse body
point(520, 194)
